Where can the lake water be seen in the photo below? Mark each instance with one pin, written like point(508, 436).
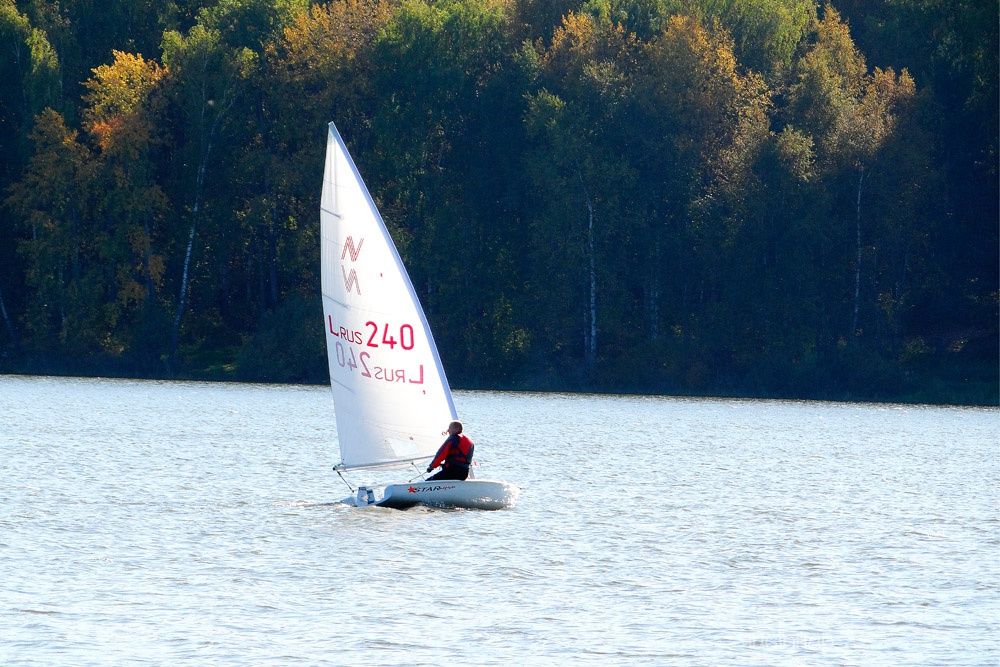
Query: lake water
point(188, 523)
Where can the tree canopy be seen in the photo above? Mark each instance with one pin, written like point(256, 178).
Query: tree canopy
point(737, 197)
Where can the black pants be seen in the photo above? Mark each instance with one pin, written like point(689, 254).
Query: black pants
point(450, 472)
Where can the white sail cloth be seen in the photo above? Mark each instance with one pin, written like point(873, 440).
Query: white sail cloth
point(391, 396)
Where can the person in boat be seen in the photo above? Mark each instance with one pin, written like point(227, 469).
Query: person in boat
point(455, 454)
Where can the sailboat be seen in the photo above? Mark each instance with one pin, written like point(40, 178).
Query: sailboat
point(391, 396)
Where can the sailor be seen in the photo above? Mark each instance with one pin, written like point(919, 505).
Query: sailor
point(455, 454)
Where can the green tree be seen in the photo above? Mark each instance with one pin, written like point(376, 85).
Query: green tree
point(850, 114)
point(252, 24)
point(64, 306)
point(123, 115)
point(766, 33)
point(29, 81)
point(703, 125)
point(580, 232)
point(320, 69)
point(444, 137)
point(205, 80)
point(84, 34)
point(951, 47)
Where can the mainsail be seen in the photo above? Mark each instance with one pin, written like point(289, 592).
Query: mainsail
point(391, 396)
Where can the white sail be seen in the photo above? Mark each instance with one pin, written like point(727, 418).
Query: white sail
point(391, 396)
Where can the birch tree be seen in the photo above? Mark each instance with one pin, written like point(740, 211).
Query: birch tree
point(206, 78)
point(576, 123)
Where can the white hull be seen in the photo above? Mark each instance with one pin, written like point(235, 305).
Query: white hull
point(473, 494)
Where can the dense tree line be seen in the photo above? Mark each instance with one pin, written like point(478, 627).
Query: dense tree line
point(756, 197)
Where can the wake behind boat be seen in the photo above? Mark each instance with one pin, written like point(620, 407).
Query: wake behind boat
point(391, 396)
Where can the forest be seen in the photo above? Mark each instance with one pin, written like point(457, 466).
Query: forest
point(760, 198)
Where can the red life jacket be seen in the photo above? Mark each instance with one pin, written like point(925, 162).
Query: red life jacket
point(460, 453)
point(455, 452)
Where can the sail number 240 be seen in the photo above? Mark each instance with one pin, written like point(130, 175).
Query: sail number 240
point(375, 335)
point(405, 336)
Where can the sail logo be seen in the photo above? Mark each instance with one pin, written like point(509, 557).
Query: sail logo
point(351, 278)
point(349, 247)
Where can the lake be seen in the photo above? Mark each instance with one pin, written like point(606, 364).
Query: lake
point(193, 523)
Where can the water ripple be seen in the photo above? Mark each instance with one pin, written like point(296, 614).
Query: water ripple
point(186, 523)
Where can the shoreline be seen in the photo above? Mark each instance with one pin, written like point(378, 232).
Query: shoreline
point(915, 397)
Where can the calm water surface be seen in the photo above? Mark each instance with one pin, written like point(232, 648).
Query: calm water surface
point(172, 523)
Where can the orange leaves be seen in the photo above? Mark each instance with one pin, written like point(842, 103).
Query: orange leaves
point(120, 99)
point(335, 30)
point(575, 33)
point(849, 113)
point(591, 52)
point(122, 86)
point(320, 46)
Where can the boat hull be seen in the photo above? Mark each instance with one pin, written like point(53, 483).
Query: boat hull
point(474, 494)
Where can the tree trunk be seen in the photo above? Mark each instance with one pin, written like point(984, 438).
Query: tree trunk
point(185, 274)
point(591, 351)
point(229, 97)
point(857, 265)
point(62, 306)
point(653, 292)
point(272, 260)
point(6, 321)
point(263, 275)
point(248, 280)
point(74, 234)
point(182, 298)
point(147, 260)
